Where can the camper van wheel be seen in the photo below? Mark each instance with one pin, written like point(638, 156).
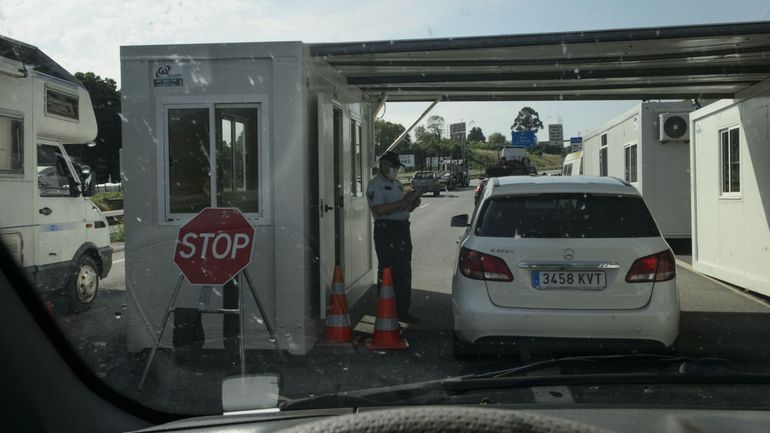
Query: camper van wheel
point(83, 285)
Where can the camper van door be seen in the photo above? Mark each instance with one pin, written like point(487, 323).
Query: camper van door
point(60, 210)
point(328, 130)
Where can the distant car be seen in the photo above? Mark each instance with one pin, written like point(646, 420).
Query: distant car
point(577, 258)
point(427, 181)
point(479, 190)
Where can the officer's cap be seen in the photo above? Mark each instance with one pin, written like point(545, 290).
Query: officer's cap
point(392, 158)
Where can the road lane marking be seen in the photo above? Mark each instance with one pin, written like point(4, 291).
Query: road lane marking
point(735, 290)
point(424, 206)
point(118, 261)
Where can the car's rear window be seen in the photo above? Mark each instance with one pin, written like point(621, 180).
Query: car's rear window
point(566, 216)
point(425, 175)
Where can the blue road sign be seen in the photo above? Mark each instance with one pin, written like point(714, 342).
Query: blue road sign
point(523, 138)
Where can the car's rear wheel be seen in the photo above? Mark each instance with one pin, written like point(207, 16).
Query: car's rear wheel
point(436, 193)
point(83, 285)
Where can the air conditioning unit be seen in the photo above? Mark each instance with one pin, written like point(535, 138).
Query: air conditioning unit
point(674, 127)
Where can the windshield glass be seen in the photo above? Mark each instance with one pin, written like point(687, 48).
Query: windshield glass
point(242, 206)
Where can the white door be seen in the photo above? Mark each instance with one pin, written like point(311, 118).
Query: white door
point(60, 212)
point(326, 197)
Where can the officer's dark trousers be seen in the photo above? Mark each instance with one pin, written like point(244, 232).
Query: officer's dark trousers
point(393, 244)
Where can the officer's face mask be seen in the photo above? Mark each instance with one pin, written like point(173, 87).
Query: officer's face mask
point(392, 173)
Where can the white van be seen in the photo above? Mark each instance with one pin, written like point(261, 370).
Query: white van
point(47, 222)
point(573, 164)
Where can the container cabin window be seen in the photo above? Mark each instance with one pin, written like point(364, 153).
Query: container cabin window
point(11, 145)
point(631, 164)
point(730, 161)
point(61, 104)
point(230, 167)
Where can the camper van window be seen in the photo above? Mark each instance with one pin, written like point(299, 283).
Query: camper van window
point(61, 104)
point(11, 146)
point(188, 159)
point(631, 166)
point(237, 157)
point(731, 161)
point(53, 178)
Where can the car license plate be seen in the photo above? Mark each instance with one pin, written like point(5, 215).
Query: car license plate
point(569, 280)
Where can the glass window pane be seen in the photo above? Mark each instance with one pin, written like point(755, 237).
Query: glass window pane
point(603, 162)
point(725, 161)
point(633, 164)
point(240, 164)
point(225, 149)
point(53, 177)
point(735, 161)
point(11, 145)
point(61, 104)
point(359, 173)
point(188, 142)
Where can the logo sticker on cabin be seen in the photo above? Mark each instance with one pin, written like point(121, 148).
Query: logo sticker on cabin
point(166, 76)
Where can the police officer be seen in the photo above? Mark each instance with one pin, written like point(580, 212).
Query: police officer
point(390, 207)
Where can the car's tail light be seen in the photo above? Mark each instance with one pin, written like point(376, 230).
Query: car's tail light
point(480, 266)
point(657, 267)
point(478, 188)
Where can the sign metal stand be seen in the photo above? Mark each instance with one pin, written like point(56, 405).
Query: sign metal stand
point(242, 322)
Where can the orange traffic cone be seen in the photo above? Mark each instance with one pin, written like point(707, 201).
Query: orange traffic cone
point(337, 320)
point(387, 331)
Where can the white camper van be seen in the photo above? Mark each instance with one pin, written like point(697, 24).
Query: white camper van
point(46, 220)
point(649, 147)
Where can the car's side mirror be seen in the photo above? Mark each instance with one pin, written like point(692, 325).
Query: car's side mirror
point(459, 221)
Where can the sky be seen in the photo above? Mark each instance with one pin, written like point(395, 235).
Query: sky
point(87, 35)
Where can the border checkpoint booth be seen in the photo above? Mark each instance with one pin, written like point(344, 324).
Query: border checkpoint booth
point(268, 129)
point(284, 132)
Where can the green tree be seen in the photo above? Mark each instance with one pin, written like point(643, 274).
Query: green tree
point(527, 120)
point(104, 158)
point(385, 133)
point(427, 141)
point(497, 139)
point(435, 125)
point(475, 135)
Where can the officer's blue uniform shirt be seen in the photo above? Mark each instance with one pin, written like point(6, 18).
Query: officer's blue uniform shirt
point(382, 190)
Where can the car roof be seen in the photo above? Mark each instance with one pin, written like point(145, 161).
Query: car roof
point(540, 184)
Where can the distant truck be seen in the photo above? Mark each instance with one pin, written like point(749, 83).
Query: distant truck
point(56, 234)
point(454, 173)
point(649, 147)
point(514, 161)
point(511, 153)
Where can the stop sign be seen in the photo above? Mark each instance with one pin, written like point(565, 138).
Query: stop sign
point(214, 246)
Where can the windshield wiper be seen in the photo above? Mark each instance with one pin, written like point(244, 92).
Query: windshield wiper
point(690, 370)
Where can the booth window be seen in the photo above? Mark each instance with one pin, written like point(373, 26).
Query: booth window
point(53, 177)
point(229, 164)
point(631, 165)
point(61, 104)
point(603, 161)
point(237, 158)
point(356, 161)
point(11, 145)
point(730, 160)
point(188, 159)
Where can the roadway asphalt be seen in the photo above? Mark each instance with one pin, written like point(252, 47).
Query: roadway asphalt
point(717, 321)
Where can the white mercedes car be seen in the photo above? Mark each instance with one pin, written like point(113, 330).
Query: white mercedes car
point(574, 259)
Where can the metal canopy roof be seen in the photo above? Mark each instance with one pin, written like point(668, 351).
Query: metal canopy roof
point(704, 62)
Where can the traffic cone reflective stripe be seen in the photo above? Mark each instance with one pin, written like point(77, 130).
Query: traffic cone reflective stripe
point(337, 320)
point(387, 330)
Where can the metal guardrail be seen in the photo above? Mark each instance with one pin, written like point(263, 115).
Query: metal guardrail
point(112, 213)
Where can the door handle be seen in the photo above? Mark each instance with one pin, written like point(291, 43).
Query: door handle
point(45, 211)
point(328, 208)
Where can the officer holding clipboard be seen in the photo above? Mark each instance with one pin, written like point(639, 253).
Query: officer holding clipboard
point(390, 206)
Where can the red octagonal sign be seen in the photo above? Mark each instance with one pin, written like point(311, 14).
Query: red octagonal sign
point(214, 246)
